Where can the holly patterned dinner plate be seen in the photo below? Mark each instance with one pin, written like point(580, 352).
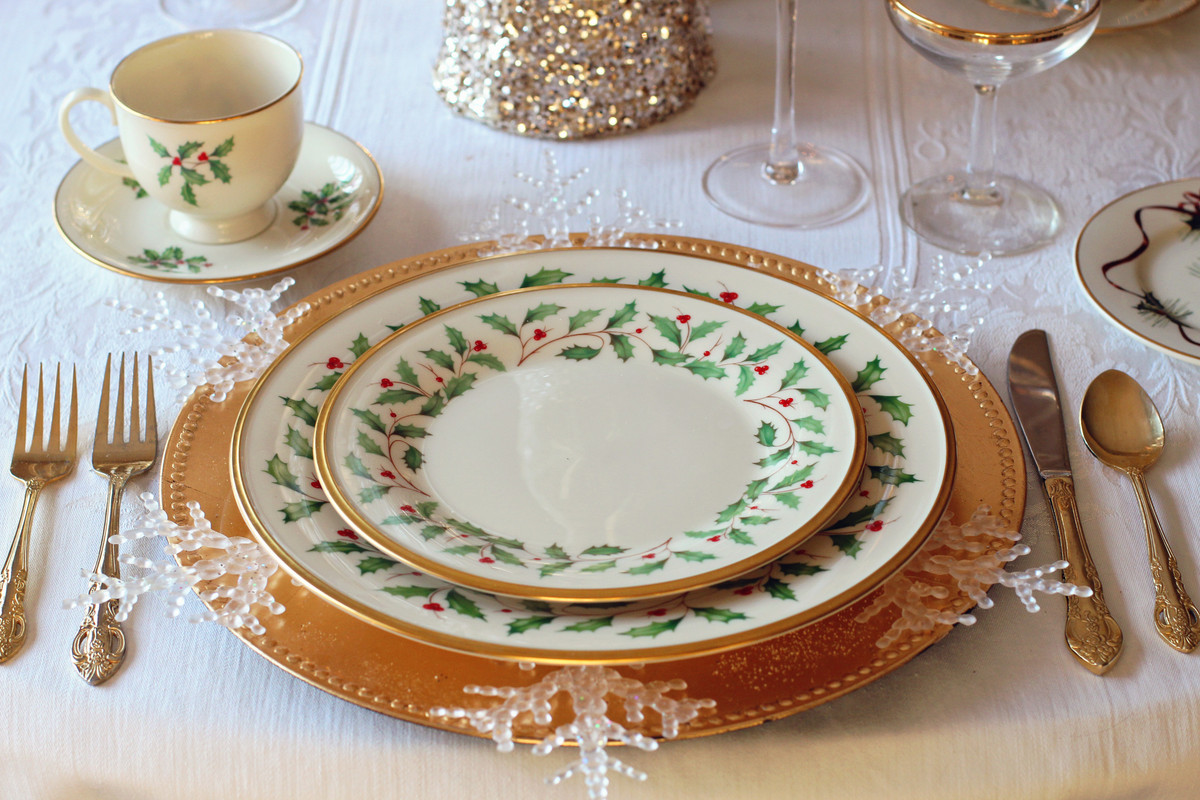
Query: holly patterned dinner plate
point(589, 442)
point(907, 482)
point(1138, 259)
point(331, 195)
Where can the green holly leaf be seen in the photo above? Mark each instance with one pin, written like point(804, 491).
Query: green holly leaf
point(653, 629)
point(518, 626)
point(500, 323)
point(606, 280)
point(553, 568)
point(299, 443)
point(427, 508)
point(762, 309)
point(705, 534)
point(442, 359)
point(373, 493)
point(428, 306)
point(763, 353)
point(887, 443)
point(221, 172)
point(188, 195)
point(704, 329)
point(811, 424)
point(706, 369)
point(158, 148)
point(582, 318)
point(463, 605)
point(833, 343)
point(802, 474)
point(848, 543)
point(432, 532)
point(798, 569)
point(277, 468)
point(694, 555)
point(746, 378)
point(815, 448)
point(736, 346)
point(434, 405)
point(164, 175)
point(778, 589)
point(894, 407)
point(766, 434)
point(647, 567)
point(360, 345)
point(542, 311)
point(409, 591)
point(755, 488)
point(697, 292)
point(603, 550)
point(579, 352)
point(327, 382)
point(461, 550)
point(731, 512)
point(412, 458)
point(599, 566)
point(587, 626)
point(892, 476)
point(555, 551)
point(621, 346)
point(668, 328)
point(658, 279)
point(396, 397)
point(862, 515)
point(757, 519)
point(774, 459)
point(623, 316)
point(374, 564)
point(506, 557)
point(719, 614)
point(487, 360)
point(544, 277)
point(798, 371)
point(371, 419)
point(789, 499)
point(340, 546)
point(740, 537)
point(480, 288)
point(669, 358)
point(456, 339)
point(223, 149)
point(407, 373)
point(192, 177)
point(460, 385)
point(869, 375)
point(815, 396)
point(356, 466)
point(301, 509)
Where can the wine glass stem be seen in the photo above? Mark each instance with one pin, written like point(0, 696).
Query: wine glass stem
point(783, 159)
point(981, 163)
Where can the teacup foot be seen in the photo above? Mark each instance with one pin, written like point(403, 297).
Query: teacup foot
point(224, 231)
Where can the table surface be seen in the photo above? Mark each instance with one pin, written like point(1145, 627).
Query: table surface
point(999, 709)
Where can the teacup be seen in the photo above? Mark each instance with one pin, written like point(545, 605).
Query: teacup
point(210, 123)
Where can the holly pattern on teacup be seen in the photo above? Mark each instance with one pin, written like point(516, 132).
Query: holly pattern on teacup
point(319, 208)
point(169, 259)
point(191, 158)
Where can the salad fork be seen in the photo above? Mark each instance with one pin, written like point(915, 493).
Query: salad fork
point(35, 463)
point(99, 647)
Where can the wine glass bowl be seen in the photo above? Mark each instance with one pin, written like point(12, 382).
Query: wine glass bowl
point(988, 42)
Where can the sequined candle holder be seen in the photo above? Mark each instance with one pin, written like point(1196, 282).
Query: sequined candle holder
point(573, 69)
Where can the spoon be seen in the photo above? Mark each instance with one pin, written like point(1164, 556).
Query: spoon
point(1122, 428)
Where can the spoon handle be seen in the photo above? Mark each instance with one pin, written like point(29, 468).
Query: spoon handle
point(1175, 615)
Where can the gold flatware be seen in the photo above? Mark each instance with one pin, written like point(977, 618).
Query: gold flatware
point(35, 463)
point(99, 646)
point(1123, 429)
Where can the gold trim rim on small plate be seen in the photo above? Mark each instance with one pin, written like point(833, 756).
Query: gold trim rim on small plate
point(988, 38)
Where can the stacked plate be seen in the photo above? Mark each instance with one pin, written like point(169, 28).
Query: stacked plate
point(593, 456)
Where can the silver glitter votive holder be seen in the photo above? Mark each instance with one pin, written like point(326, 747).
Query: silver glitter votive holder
point(572, 69)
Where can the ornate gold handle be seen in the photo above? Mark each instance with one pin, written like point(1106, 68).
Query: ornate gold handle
point(1175, 616)
point(1092, 634)
point(13, 578)
point(98, 649)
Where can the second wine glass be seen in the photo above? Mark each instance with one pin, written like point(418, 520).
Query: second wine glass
point(989, 42)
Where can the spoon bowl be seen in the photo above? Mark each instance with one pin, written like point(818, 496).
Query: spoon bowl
point(1123, 429)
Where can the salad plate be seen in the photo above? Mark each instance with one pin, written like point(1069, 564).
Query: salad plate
point(589, 442)
point(910, 460)
point(1138, 260)
point(331, 195)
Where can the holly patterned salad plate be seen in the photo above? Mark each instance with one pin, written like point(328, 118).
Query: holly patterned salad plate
point(331, 195)
point(589, 442)
point(908, 478)
point(1138, 259)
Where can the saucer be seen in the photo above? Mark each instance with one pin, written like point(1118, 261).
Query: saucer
point(332, 194)
point(1138, 259)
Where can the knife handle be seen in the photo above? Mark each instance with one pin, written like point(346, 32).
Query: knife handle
point(1092, 634)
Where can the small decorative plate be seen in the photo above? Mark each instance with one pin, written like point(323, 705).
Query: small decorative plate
point(332, 194)
point(910, 467)
point(1120, 15)
point(1138, 259)
point(589, 442)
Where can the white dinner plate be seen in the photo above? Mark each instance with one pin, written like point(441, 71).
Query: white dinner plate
point(910, 466)
point(1138, 259)
point(589, 442)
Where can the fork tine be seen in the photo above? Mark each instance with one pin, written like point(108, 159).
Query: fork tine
point(119, 422)
point(73, 422)
point(22, 431)
point(151, 423)
point(37, 445)
point(102, 413)
point(55, 443)
point(135, 417)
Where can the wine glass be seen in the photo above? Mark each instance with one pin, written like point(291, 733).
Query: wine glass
point(988, 42)
point(229, 13)
point(785, 183)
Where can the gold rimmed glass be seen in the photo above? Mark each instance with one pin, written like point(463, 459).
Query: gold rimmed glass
point(786, 183)
point(988, 42)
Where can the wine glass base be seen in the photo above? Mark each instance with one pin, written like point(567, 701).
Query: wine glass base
point(830, 188)
point(1017, 218)
point(229, 13)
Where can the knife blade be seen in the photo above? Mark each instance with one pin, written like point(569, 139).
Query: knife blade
point(1092, 634)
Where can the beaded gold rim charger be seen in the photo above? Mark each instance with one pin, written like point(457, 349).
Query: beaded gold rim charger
point(351, 659)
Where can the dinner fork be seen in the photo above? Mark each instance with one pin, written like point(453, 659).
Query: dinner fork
point(35, 463)
point(99, 647)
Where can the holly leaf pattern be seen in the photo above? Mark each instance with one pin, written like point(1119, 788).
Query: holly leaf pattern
point(544, 277)
point(653, 630)
point(868, 376)
point(893, 406)
point(277, 468)
point(464, 605)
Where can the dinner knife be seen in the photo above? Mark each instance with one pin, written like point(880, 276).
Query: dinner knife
point(1092, 634)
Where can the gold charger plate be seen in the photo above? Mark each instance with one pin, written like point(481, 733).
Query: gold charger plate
point(351, 659)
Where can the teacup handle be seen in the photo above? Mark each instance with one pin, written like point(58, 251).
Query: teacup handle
point(103, 163)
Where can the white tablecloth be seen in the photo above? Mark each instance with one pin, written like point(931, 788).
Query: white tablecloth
point(995, 710)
